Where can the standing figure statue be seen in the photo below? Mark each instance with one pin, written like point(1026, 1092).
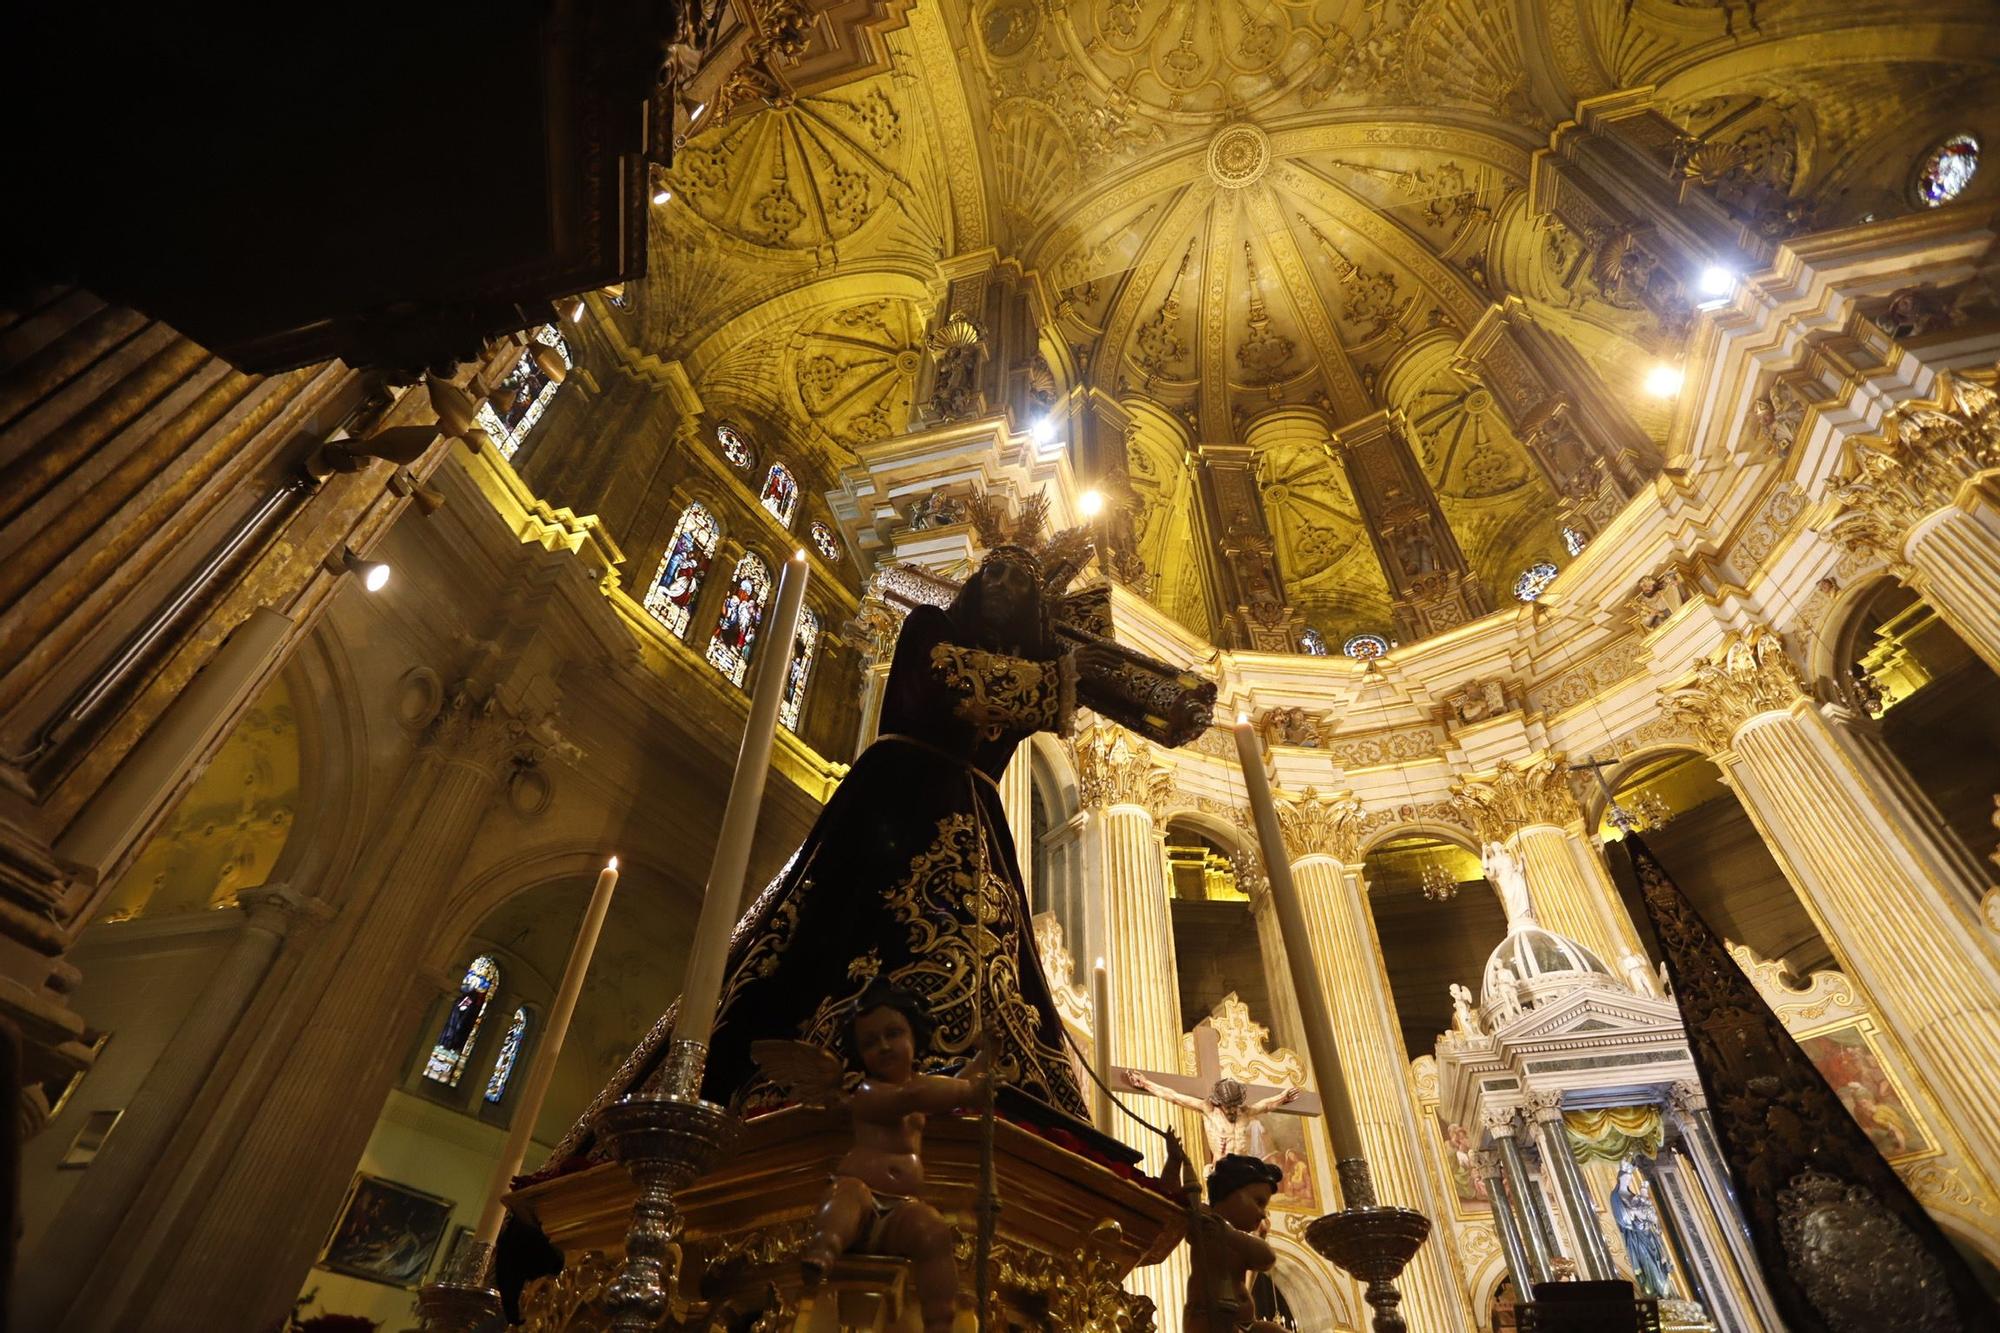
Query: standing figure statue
point(1226, 1240)
point(1226, 1117)
point(874, 1203)
point(1639, 1223)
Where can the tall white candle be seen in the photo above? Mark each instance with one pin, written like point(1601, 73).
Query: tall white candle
point(722, 902)
point(1100, 1044)
point(547, 1046)
point(1313, 1017)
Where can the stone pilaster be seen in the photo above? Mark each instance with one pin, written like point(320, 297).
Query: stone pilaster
point(105, 1195)
point(1593, 1258)
point(1322, 839)
point(1585, 444)
point(1123, 790)
point(1431, 586)
point(1286, 1029)
point(1923, 497)
point(1531, 810)
point(299, 1133)
point(1252, 595)
point(1877, 877)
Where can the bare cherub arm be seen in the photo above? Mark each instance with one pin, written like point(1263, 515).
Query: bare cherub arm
point(1164, 1093)
point(1273, 1102)
point(926, 1093)
point(1250, 1250)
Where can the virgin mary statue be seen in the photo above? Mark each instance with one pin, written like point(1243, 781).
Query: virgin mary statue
point(909, 874)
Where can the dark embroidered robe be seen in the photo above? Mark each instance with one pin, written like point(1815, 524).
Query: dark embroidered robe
point(884, 886)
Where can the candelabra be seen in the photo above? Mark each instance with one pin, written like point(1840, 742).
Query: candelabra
point(1371, 1242)
point(462, 1300)
point(666, 1140)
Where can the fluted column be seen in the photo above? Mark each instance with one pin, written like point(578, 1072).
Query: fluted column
point(1487, 1166)
point(1531, 810)
point(1954, 560)
point(1017, 798)
point(1124, 789)
point(358, 990)
point(1320, 836)
point(1522, 1198)
point(1593, 1259)
point(1879, 879)
point(105, 1194)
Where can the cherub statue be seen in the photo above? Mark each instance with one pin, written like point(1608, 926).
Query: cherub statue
point(1226, 1240)
point(1462, 1015)
point(1226, 1118)
point(874, 1202)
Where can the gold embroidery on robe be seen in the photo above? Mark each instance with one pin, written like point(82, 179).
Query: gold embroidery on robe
point(998, 693)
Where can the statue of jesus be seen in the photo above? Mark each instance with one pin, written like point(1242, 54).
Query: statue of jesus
point(1226, 1117)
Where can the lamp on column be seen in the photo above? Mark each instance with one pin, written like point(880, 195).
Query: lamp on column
point(374, 575)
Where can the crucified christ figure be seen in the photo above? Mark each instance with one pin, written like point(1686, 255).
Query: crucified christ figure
point(1226, 1115)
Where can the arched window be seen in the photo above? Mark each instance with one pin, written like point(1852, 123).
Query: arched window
point(735, 448)
point(1311, 642)
point(825, 542)
point(461, 1026)
point(735, 634)
point(514, 408)
point(682, 568)
point(1534, 580)
point(781, 494)
point(510, 1047)
point(800, 669)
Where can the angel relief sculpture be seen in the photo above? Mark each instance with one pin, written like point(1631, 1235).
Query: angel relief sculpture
point(874, 1203)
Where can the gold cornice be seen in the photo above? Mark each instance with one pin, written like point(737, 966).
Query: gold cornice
point(1499, 804)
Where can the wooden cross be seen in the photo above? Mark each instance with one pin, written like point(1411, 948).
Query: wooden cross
point(1208, 1069)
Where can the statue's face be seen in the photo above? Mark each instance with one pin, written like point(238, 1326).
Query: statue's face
point(887, 1047)
point(1007, 593)
point(1245, 1208)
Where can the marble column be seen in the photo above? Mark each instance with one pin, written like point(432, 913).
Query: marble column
point(350, 1002)
point(1700, 1265)
point(106, 1193)
point(1124, 791)
point(1321, 837)
point(1522, 1198)
point(1688, 1113)
point(1487, 1166)
point(1954, 564)
point(1884, 884)
point(1531, 810)
point(1593, 1259)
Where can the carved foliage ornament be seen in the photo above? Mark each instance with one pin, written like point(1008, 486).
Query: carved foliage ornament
point(1313, 825)
point(1915, 467)
point(1114, 767)
point(1501, 804)
point(1749, 675)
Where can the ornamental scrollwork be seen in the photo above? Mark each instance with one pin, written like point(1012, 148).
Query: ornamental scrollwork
point(1915, 467)
point(1313, 825)
point(1749, 675)
point(1513, 797)
point(1114, 767)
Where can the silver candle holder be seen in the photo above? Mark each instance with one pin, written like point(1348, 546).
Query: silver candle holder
point(1372, 1243)
point(463, 1299)
point(666, 1140)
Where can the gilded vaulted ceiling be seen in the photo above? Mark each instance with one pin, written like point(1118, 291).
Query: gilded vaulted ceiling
point(1252, 221)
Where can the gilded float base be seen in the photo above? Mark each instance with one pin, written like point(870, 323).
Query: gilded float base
point(1068, 1232)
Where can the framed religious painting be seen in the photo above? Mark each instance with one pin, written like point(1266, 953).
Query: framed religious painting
point(386, 1232)
point(1847, 1058)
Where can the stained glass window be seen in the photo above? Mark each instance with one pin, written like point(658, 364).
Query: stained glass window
point(825, 542)
point(781, 493)
point(1311, 642)
point(1574, 541)
point(1365, 647)
point(734, 447)
point(735, 636)
point(1534, 580)
point(682, 568)
point(510, 1047)
point(800, 670)
point(1947, 169)
point(513, 409)
point(461, 1026)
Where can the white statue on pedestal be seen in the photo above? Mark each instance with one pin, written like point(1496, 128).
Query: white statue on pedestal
point(1504, 873)
point(1505, 999)
point(1463, 1018)
point(1639, 974)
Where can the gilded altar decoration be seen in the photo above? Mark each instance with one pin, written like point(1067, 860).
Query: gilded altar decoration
point(1512, 797)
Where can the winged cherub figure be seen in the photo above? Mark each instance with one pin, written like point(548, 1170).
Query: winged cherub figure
point(1226, 1240)
point(873, 1204)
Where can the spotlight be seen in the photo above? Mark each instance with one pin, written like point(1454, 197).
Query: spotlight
point(575, 311)
point(374, 575)
point(1717, 282)
point(695, 114)
point(1663, 381)
point(1242, 718)
point(662, 195)
point(1043, 431)
point(1090, 504)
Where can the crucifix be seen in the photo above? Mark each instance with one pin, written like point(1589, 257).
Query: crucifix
point(1229, 1110)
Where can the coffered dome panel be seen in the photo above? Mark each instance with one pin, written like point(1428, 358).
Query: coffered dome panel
point(1324, 554)
point(854, 371)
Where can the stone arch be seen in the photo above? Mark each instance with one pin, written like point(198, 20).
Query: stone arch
point(1318, 1301)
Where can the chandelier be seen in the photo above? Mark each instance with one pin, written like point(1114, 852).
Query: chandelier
point(1641, 813)
point(1439, 884)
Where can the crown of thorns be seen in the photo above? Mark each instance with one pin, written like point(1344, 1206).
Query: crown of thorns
point(1055, 559)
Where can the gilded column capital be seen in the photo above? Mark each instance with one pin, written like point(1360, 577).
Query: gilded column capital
point(1314, 825)
point(1499, 804)
point(1751, 674)
point(1925, 452)
point(1114, 767)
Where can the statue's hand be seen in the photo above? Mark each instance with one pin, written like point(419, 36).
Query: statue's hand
point(1288, 1096)
point(1135, 1079)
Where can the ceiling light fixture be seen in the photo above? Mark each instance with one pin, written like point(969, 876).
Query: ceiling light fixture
point(1664, 381)
point(1717, 282)
point(1090, 504)
point(1043, 431)
point(374, 575)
